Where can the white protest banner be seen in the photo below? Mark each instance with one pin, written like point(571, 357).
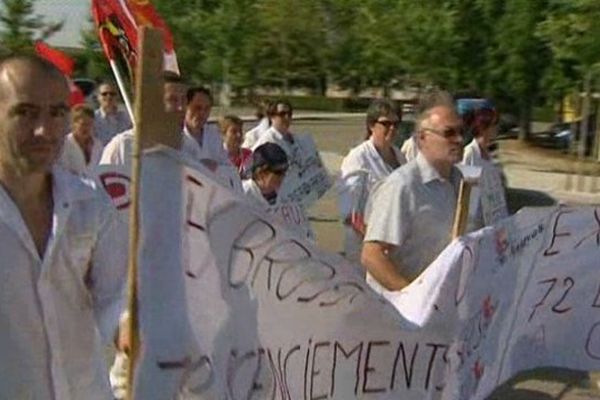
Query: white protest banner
point(307, 179)
point(487, 195)
point(491, 191)
point(233, 307)
point(293, 217)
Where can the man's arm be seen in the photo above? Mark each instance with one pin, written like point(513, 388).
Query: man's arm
point(375, 258)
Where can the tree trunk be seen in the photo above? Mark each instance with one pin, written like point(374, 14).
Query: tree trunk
point(525, 121)
point(585, 116)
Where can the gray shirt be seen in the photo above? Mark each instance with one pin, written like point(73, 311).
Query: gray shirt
point(413, 210)
point(106, 126)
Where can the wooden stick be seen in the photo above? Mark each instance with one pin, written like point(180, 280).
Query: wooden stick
point(462, 209)
point(152, 126)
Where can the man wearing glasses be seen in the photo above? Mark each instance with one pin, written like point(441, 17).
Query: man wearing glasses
point(413, 209)
point(109, 119)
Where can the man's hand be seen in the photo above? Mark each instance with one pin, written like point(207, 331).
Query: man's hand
point(357, 222)
point(375, 258)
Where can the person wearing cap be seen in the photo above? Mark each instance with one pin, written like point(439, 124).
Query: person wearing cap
point(269, 166)
point(365, 165)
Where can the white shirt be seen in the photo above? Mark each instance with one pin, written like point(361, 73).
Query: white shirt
point(107, 126)
point(353, 189)
point(472, 155)
point(211, 147)
point(292, 149)
point(413, 210)
point(410, 149)
point(54, 309)
point(73, 159)
point(252, 136)
point(119, 150)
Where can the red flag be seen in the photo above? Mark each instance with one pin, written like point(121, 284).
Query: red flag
point(61, 60)
point(65, 64)
point(118, 23)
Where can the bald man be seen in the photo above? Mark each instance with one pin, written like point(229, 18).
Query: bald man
point(63, 263)
point(413, 209)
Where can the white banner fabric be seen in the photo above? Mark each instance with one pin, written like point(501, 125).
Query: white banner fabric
point(232, 306)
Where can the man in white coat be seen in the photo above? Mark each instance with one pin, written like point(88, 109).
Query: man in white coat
point(63, 249)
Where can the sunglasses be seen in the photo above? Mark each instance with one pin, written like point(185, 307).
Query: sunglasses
point(104, 94)
point(447, 133)
point(388, 124)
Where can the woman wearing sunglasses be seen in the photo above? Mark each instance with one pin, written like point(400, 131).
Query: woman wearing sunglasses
point(365, 165)
point(269, 166)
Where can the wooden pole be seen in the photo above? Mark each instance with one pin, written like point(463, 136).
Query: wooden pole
point(153, 126)
point(461, 215)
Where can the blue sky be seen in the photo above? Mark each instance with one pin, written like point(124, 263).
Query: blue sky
point(75, 13)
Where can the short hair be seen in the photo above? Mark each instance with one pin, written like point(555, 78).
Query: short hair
point(35, 61)
point(229, 120)
point(262, 108)
point(194, 90)
point(81, 110)
point(379, 108)
point(273, 106)
point(429, 101)
point(107, 82)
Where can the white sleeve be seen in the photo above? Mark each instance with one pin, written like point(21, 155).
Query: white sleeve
point(109, 272)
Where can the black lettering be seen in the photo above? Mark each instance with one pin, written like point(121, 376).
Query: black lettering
point(555, 234)
point(596, 302)
point(306, 365)
point(314, 372)
point(592, 344)
point(552, 282)
point(276, 377)
point(189, 207)
point(367, 369)
point(569, 283)
point(596, 232)
point(347, 355)
point(257, 386)
point(408, 370)
point(233, 369)
point(434, 350)
point(285, 364)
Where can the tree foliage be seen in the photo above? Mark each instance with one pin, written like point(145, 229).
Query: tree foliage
point(20, 26)
point(519, 52)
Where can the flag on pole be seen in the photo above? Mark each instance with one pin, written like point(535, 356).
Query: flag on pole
point(65, 64)
point(118, 23)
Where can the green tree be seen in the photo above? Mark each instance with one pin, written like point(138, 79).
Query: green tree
point(518, 59)
point(20, 26)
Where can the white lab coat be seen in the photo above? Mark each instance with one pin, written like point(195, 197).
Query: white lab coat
point(54, 309)
point(363, 158)
point(72, 158)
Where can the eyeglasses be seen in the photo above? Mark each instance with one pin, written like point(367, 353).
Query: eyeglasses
point(284, 114)
point(387, 124)
point(112, 94)
point(447, 133)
